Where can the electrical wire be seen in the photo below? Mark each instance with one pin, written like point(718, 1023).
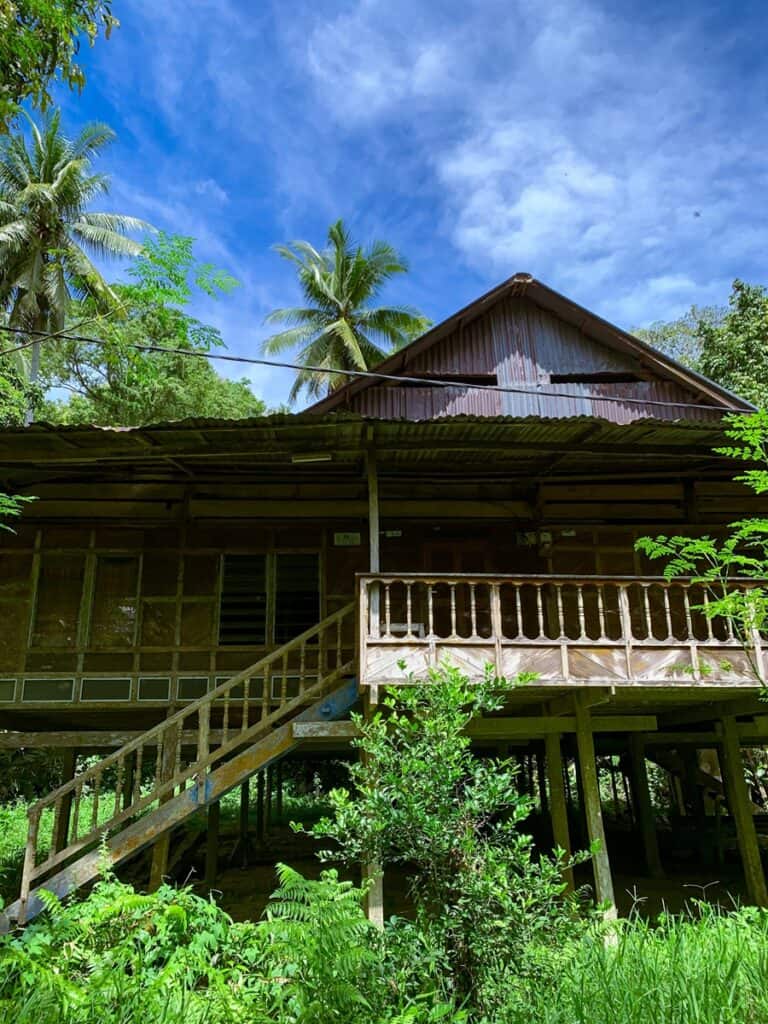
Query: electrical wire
point(367, 374)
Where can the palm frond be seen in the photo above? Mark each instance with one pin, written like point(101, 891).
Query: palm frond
point(116, 222)
point(103, 241)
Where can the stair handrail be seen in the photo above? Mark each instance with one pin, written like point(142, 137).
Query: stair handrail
point(167, 737)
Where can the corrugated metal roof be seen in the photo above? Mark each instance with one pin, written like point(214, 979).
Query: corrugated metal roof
point(471, 340)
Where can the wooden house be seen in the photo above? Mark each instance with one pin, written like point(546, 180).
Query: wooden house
point(195, 600)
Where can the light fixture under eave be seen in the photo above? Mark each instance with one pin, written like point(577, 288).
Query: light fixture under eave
point(300, 458)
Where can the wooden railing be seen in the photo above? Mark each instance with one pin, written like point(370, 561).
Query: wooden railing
point(566, 629)
point(151, 768)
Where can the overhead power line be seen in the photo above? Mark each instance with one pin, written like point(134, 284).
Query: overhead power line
point(368, 374)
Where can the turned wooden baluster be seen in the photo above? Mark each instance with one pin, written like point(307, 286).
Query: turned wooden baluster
point(647, 612)
point(387, 611)
point(225, 719)
point(430, 613)
point(408, 612)
point(246, 703)
point(204, 732)
point(560, 613)
point(580, 611)
point(599, 589)
point(284, 680)
point(453, 611)
point(119, 785)
point(540, 614)
point(95, 809)
point(137, 774)
point(667, 612)
point(302, 667)
point(688, 616)
point(707, 617)
point(472, 611)
point(518, 613)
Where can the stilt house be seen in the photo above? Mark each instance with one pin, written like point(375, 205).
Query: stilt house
point(196, 600)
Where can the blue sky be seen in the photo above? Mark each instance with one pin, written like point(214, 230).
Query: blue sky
point(615, 150)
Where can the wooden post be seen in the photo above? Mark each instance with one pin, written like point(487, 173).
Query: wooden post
point(212, 844)
point(68, 771)
point(541, 776)
point(592, 811)
point(279, 792)
point(374, 557)
point(557, 806)
point(260, 801)
point(740, 807)
point(643, 806)
point(242, 848)
point(372, 873)
point(269, 780)
point(129, 780)
point(161, 849)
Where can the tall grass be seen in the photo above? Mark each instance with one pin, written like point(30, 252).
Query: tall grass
point(707, 967)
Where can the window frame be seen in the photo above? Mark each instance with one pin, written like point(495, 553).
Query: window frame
point(270, 575)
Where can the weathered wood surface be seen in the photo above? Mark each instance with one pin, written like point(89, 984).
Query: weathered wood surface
point(588, 631)
point(208, 790)
point(246, 716)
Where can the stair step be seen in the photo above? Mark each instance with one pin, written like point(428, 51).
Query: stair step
point(139, 834)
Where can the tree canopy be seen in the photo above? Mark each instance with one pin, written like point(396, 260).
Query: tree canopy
point(40, 39)
point(339, 327)
point(110, 381)
point(47, 232)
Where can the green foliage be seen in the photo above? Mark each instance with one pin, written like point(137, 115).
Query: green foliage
point(47, 183)
point(11, 506)
point(322, 944)
point(111, 382)
point(338, 327)
point(714, 563)
point(734, 352)
point(423, 800)
point(681, 339)
point(703, 968)
point(119, 956)
point(40, 39)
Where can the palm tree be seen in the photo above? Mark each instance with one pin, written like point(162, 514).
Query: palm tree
point(47, 234)
point(339, 328)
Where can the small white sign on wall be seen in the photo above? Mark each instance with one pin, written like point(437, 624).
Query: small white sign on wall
point(346, 540)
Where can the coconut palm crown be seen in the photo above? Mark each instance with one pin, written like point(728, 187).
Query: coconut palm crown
point(339, 327)
point(47, 233)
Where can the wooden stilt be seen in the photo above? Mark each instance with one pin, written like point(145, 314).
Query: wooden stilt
point(212, 844)
point(162, 847)
point(261, 824)
point(269, 778)
point(557, 806)
point(242, 850)
point(68, 771)
point(592, 810)
point(740, 807)
point(279, 792)
point(643, 806)
point(541, 778)
point(128, 781)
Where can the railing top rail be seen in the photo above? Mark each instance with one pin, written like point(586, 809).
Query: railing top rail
point(145, 739)
point(490, 577)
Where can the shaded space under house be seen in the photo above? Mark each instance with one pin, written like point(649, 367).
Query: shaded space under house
point(203, 602)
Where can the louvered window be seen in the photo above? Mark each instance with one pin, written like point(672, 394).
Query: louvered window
point(243, 613)
point(297, 595)
point(268, 599)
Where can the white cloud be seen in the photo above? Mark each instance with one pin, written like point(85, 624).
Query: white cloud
point(211, 189)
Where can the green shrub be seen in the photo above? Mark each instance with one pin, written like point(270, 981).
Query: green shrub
point(708, 968)
point(423, 800)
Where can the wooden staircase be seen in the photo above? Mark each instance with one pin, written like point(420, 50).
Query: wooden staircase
point(138, 794)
